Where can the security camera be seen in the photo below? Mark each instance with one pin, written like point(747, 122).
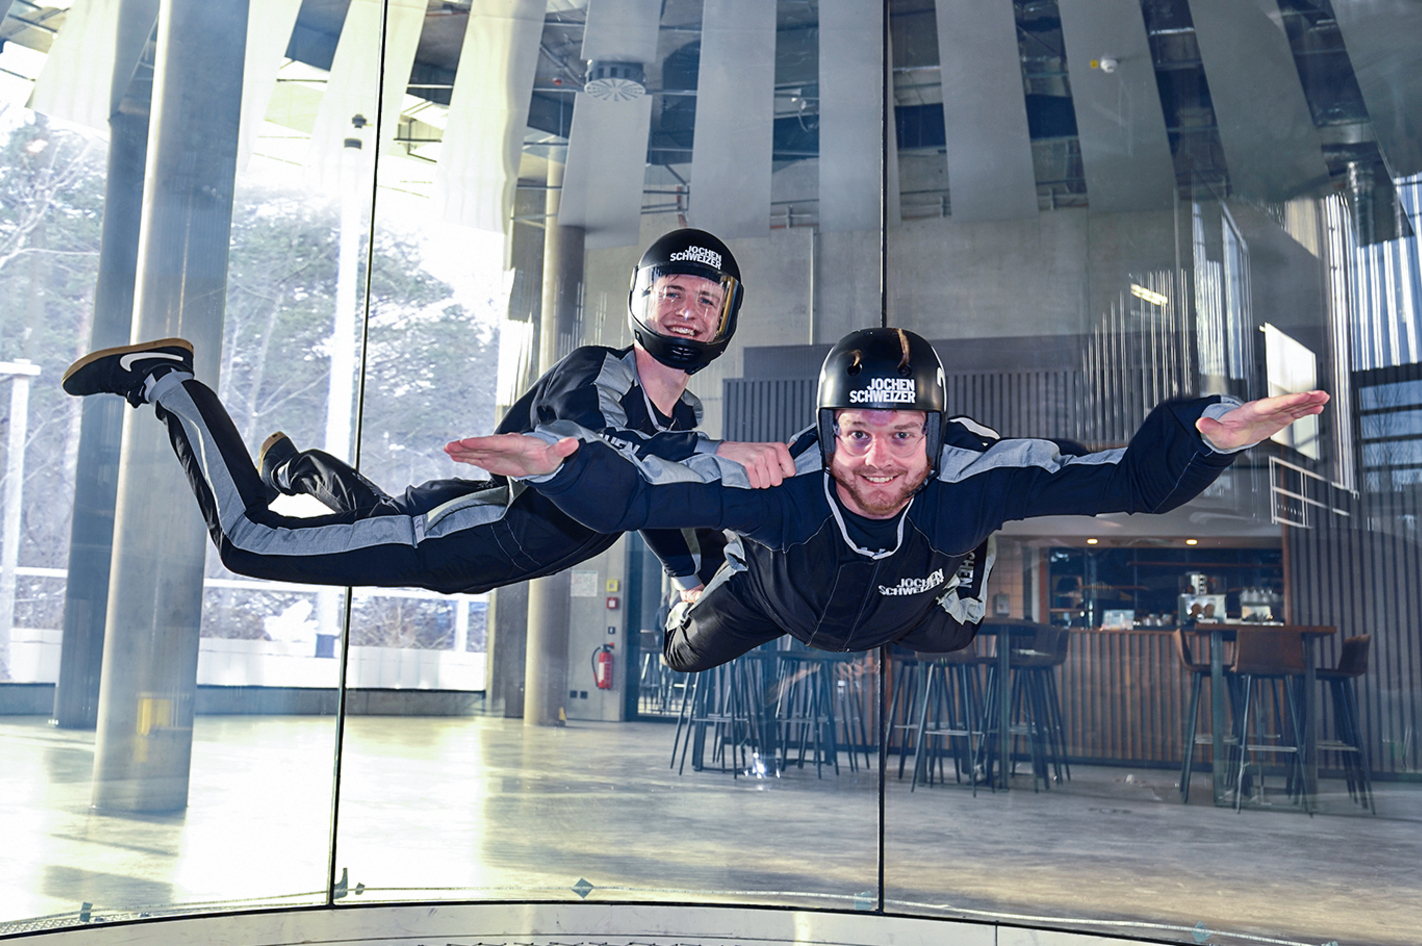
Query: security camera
point(1108, 64)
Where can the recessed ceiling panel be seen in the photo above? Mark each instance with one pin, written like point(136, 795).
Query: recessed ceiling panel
point(488, 112)
point(607, 143)
point(1384, 42)
point(1271, 146)
point(269, 26)
point(622, 30)
point(355, 87)
point(988, 145)
point(1125, 150)
point(851, 114)
point(735, 119)
point(607, 162)
point(76, 82)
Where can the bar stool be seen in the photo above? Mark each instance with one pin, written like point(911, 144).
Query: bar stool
point(855, 704)
point(1035, 708)
point(950, 711)
point(1199, 672)
point(906, 685)
point(1275, 658)
point(804, 711)
point(726, 704)
point(1352, 664)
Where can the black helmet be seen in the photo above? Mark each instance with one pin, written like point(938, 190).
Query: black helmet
point(684, 253)
point(888, 369)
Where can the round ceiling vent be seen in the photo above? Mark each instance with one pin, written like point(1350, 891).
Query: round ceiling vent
point(616, 81)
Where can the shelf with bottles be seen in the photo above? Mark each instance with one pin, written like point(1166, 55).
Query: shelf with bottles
point(1153, 588)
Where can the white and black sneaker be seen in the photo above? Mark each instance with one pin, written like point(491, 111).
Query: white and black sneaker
point(126, 369)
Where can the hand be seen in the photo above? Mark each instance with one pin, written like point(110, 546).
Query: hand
point(511, 454)
point(689, 595)
point(1258, 420)
point(767, 464)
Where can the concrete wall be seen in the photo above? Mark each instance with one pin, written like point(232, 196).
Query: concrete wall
point(591, 624)
point(1052, 275)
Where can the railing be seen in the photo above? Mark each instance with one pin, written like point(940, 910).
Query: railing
point(298, 662)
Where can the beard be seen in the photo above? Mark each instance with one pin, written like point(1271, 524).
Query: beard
point(877, 502)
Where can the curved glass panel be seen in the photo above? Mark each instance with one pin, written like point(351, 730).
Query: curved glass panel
point(538, 157)
point(381, 222)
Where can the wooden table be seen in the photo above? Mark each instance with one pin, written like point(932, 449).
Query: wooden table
point(1218, 634)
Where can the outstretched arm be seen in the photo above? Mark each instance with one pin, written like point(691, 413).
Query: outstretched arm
point(610, 491)
point(1258, 420)
point(512, 454)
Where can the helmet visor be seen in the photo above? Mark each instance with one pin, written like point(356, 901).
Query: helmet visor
point(684, 302)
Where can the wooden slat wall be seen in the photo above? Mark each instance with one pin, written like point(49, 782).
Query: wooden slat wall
point(1123, 697)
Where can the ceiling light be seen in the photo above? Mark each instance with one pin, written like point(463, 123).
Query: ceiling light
point(1092, 541)
point(1149, 295)
point(1192, 541)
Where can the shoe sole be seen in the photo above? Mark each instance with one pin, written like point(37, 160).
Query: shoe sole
point(94, 356)
point(270, 442)
point(284, 450)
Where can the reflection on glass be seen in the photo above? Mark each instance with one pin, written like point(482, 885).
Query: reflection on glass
point(402, 265)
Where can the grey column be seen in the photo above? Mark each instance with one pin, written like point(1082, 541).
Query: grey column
point(508, 606)
point(76, 698)
point(546, 671)
point(144, 741)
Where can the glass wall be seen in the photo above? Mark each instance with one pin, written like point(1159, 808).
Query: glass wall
point(380, 222)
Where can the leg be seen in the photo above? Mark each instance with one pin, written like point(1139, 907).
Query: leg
point(342, 488)
point(719, 627)
point(485, 536)
point(335, 483)
point(451, 536)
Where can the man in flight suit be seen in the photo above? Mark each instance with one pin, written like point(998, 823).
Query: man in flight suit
point(459, 535)
point(882, 534)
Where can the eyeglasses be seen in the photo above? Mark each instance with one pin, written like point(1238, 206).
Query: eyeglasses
point(900, 443)
point(676, 298)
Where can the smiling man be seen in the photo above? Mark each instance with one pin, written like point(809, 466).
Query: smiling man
point(457, 535)
point(883, 535)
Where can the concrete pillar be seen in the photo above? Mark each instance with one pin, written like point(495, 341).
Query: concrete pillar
point(143, 745)
point(546, 670)
point(507, 642)
point(91, 533)
point(508, 606)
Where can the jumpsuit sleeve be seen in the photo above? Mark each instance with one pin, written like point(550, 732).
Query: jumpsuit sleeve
point(1166, 464)
point(613, 490)
point(584, 393)
point(587, 389)
point(679, 552)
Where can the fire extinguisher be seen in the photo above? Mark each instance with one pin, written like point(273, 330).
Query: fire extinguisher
point(602, 667)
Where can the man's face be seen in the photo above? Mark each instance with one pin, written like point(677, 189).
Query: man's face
point(880, 459)
point(686, 307)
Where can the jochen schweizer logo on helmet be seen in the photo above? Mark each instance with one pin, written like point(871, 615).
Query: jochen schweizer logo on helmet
point(885, 391)
point(698, 254)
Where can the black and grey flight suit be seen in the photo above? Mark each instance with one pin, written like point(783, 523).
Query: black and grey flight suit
point(808, 567)
point(446, 535)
